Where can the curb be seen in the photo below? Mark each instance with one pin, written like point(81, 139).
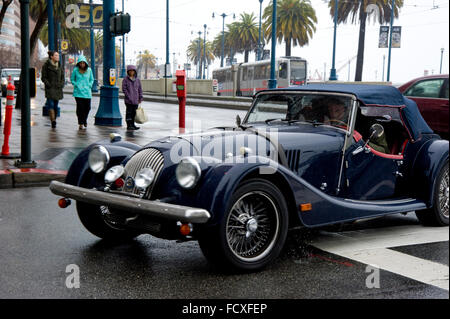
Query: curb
point(29, 177)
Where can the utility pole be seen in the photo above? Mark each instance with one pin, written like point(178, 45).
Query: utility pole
point(108, 113)
point(442, 55)
point(25, 159)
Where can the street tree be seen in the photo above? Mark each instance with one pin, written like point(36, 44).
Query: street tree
point(244, 34)
point(146, 60)
point(355, 11)
point(193, 53)
point(296, 20)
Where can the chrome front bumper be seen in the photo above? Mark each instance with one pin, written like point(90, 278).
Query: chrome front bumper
point(131, 204)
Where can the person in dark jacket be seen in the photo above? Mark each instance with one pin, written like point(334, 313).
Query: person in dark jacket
point(132, 88)
point(52, 76)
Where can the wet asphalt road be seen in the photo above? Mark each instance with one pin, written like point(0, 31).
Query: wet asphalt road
point(38, 241)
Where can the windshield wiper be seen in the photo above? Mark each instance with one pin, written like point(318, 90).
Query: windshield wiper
point(277, 119)
point(313, 122)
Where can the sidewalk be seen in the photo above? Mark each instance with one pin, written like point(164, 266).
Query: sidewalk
point(53, 150)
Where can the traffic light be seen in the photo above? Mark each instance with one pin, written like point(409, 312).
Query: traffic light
point(120, 24)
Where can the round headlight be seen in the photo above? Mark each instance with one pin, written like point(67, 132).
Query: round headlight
point(114, 173)
point(144, 178)
point(98, 159)
point(188, 172)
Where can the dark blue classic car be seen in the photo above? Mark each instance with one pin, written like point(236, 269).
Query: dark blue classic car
point(307, 156)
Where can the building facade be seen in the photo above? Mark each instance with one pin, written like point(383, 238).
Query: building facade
point(10, 35)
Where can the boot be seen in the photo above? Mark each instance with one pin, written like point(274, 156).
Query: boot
point(52, 116)
point(130, 125)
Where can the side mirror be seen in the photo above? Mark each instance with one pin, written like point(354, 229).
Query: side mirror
point(238, 121)
point(376, 131)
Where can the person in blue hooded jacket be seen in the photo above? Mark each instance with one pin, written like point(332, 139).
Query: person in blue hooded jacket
point(82, 80)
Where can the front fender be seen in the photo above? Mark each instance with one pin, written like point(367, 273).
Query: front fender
point(80, 174)
point(224, 179)
point(427, 165)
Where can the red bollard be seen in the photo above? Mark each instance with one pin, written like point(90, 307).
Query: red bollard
point(181, 93)
point(8, 120)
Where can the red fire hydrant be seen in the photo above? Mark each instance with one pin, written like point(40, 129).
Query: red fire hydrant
point(181, 94)
point(8, 120)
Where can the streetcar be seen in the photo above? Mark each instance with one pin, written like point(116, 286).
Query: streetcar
point(252, 77)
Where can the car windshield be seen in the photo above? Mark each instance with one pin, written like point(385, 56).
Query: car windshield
point(313, 108)
point(13, 73)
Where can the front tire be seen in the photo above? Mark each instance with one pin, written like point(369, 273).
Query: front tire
point(253, 230)
point(91, 216)
point(438, 214)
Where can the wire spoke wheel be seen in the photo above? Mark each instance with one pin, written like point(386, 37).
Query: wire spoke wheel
point(252, 226)
point(444, 193)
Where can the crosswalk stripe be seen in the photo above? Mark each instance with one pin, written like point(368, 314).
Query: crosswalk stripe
point(370, 247)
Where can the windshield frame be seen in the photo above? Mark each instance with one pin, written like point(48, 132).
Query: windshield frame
point(352, 111)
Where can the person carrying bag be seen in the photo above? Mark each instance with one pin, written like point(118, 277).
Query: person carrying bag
point(52, 76)
point(132, 89)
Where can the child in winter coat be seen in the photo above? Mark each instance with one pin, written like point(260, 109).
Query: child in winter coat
point(132, 88)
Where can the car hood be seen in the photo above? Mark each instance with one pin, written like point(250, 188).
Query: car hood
point(296, 144)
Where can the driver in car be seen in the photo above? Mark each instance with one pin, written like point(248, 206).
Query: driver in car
point(337, 112)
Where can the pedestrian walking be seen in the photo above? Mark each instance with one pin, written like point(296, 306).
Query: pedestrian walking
point(52, 75)
point(132, 88)
point(82, 79)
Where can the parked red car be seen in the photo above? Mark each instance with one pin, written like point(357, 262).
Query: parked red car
point(431, 95)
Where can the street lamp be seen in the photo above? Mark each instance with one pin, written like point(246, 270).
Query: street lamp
point(273, 80)
point(91, 22)
point(223, 15)
point(442, 54)
point(259, 37)
point(204, 51)
point(199, 53)
point(390, 42)
point(333, 76)
point(122, 72)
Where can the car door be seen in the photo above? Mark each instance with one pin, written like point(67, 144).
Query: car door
point(429, 96)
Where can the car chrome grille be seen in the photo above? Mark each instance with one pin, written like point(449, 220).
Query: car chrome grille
point(147, 158)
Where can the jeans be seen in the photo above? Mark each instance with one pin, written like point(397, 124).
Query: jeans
point(53, 104)
point(83, 108)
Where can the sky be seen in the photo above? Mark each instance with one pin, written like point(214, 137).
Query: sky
point(425, 30)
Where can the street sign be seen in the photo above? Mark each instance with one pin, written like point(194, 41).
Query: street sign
point(64, 46)
point(78, 16)
point(187, 66)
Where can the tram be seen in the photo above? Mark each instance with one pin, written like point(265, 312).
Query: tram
point(254, 76)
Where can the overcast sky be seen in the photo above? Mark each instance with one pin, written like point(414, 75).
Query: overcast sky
point(425, 30)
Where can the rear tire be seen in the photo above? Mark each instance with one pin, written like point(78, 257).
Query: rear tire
point(438, 214)
point(253, 230)
point(92, 219)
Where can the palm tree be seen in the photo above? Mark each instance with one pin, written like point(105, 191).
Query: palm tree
point(38, 12)
point(193, 53)
point(78, 39)
point(244, 34)
point(146, 59)
point(356, 9)
point(296, 21)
